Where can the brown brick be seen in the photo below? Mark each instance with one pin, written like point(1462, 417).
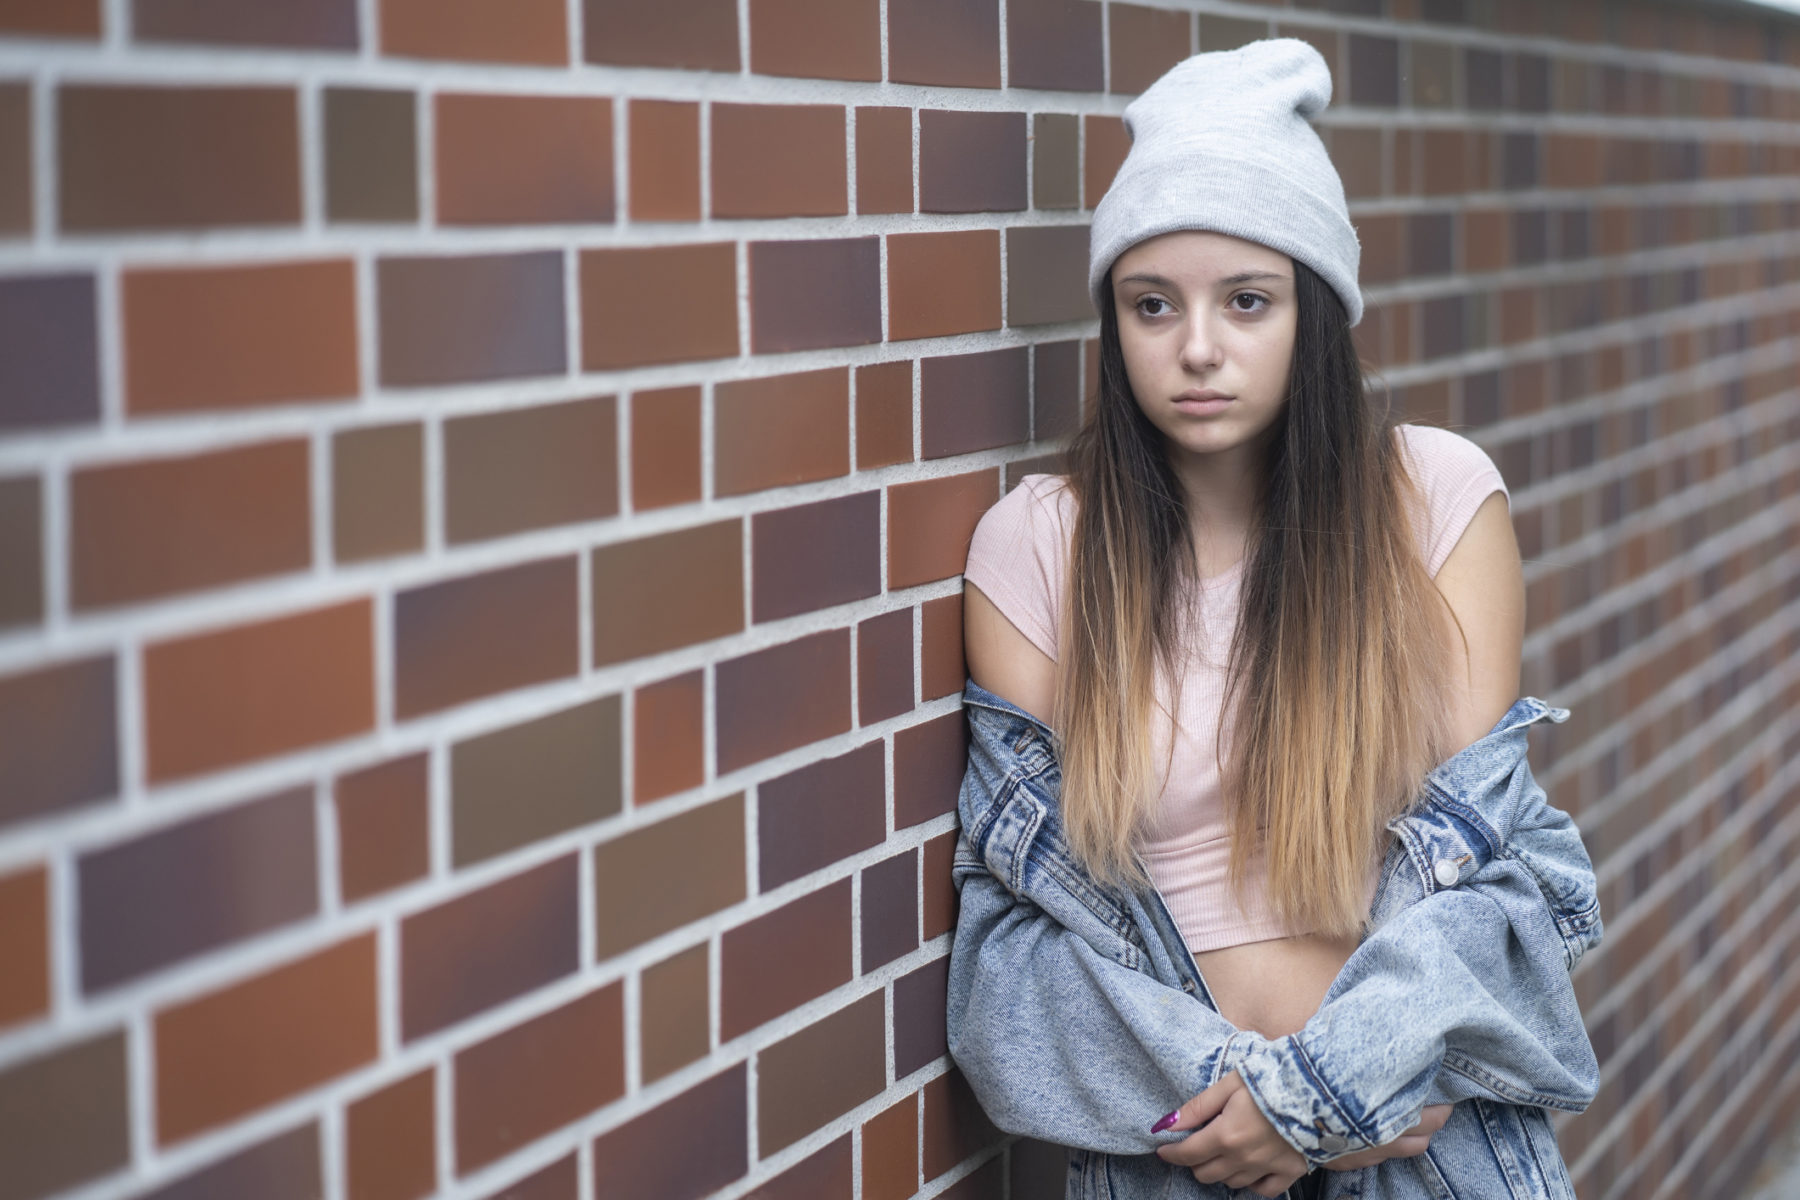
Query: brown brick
point(986, 1182)
point(941, 667)
point(920, 999)
point(939, 911)
point(21, 549)
point(239, 336)
point(525, 31)
point(665, 447)
point(1433, 71)
point(780, 430)
point(823, 39)
point(1384, 247)
point(163, 525)
point(24, 945)
point(669, 726)
point(1356, 153)
point(1105, 144)
point(953, 1128)
point(1055, 389)
point(187, 888)
point(1055, 160)
point(825, 1175)
point(652, 1155)
point(811, 674)
point(930, 524)
point(928, 768)
point(661, 876)
point(52, 18)
point(534, 780)
point(464, 638)
point(970, 402)
point(390, 1149)
point(806, 295)
point(319, 25)
point(884, 156)
point(673, 1007)
point(783, 959)
point(561, 1180)
point(58, 738)
point(384, 826)
point(284, 1167)
point(378, 492)
point(814, 556)
point(890, 1150)
point(820, 1073)
point(49, 351)
point(1144, 43)
point(16, 208)
point(234, 695)
point(177, 157)
point(1374, 70)
point(1054, 44)
point(943, 283)
point(628, 293)
point(778, 160)
point(1046, 275)
point(884, 412)
point(971, 161)
point(507, 160)
point(371, 156)
point(538, 1076)
point(955, 43)
point(820, 814)
point(246, 1046)
point(702, 34)
point(890, 910)
point(526, 468)
point(674, 589)
point(469, 318)
point(63, 1117)
point(487, 946)
point(665, 160)
point(884, 666)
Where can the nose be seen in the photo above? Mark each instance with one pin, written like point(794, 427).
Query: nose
point(1200, 345)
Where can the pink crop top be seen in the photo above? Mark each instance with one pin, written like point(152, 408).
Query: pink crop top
point(1017, 558)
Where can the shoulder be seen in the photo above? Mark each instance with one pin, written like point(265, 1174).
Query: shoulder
point(1453, 477)
point(1038, 505)
point(1435, 456)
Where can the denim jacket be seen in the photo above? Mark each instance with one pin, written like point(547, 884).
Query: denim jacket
point(1079, 1017)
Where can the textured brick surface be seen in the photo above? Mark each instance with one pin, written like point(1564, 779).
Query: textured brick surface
point(815, 556)
point(701, 34)
point(827, 1068)
point(318, 25)
point(378, 492)
point(58, 737)
point(669, 724)
point(805, 295)
point(780, 429)
point(470, 637)
point(370, 150)
point(284, 1167)
point(645, 1156)
point(466, 318)
point(16, 207)
point(48, 343)
point(811, 818)
point(884, 158)
point(809, 937)
point(928, 768)
point(890, 910)
point(534, 780)
point(777, 160)
point(526, 468)
point(672, 590)
point(63, 1117)
point(25, 945)
point(507, 160)
point(884, 666)
point(675, 1021)
point(884, 414)
point(384, 826)
point(533, 31)
point(665, 160)
point(826, 39)
point(661, 876)
point(943, 283)
point(626, 296)
point(953, 42)
point(930, 524)
point(971, 161)
point(973, 402)
point(665, 447)
point(389, 1147)
point(812, 673)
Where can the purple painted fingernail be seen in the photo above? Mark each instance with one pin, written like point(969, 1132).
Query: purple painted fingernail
point(1166, 1122)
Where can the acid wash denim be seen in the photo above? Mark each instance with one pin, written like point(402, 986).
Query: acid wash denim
point(1079, 1017)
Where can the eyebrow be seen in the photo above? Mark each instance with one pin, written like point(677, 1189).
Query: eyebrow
point(1229, 280)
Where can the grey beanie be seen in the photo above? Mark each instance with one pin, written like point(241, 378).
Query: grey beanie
point(1222, 142)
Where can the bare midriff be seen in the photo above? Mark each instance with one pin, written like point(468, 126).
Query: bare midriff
point(1273, 987)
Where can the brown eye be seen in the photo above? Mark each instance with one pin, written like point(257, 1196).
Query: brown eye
point(1252, 296)
point(1149, 300)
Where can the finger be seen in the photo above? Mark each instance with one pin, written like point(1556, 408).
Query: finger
point(1201, 1108)
point(1435, 1116)
point(1273, 1185)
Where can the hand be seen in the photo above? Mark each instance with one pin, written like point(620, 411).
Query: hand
point(1238, 1147)
point(1414, 1141)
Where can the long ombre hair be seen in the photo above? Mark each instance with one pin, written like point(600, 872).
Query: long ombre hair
point(1333, 706)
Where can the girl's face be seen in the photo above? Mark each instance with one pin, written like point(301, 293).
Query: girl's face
point(1203, 312)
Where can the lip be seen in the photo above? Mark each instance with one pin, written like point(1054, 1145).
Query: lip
point(1202, 400)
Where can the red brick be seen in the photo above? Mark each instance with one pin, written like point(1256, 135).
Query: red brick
point(820, 814)
point(970, 402)
point(653, 1155)
point(283, 1167)
point(954, 1127)
point(930, 524)
point(928, 768)
point(146, 529)
point(527, 468)
point(890, 910)
point(701, 34)
point(521, 159)
point(825, 1175)
point(471, 317)
point(954, 43)
point(1046, 275)
point(238, 336)
point(665, 447)
point(51, 18)
point(227, 697)
point(884, 158)
point(384, 826)
point(884, 414)
point(59, 738)
point(390, 1148)
point(24, 945)
point(378, 492)
point(780, 430)
point(890, 1149)
point(884, 666)
point(66, 1116)
point(920, 999)
point(940, 889)
point(561, 1180)
point(1105, 143)
point(825, 39)
point(15, 159)
point(525, 31)
point(811, 674)
point(1055, 160)
point(809, 1078)
point(1054, 44)
point(177, 157)
point(669, 725)
point(814, 556)
point(971, 161)
point(809, 937)
point(941, 667)
point(1144, 43)
point(667, 591)
point(810, 295)
point(318, 25)
point(673, 1006)
point(538, 1076)
point(244, 1047)
point(778, 160)
point(461, 639)
point(943, 283)
point(371, 156)
point(665, 160)
point(628, 293)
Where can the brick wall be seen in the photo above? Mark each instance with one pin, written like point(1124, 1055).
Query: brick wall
point(482, 493)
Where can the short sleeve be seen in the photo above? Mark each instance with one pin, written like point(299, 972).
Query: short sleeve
point(1017, 554)
point(1455, 476)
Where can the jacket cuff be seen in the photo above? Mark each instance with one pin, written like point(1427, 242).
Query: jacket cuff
point(1282, 1081)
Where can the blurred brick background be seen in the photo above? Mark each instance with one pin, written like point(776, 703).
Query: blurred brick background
point(482, 493)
